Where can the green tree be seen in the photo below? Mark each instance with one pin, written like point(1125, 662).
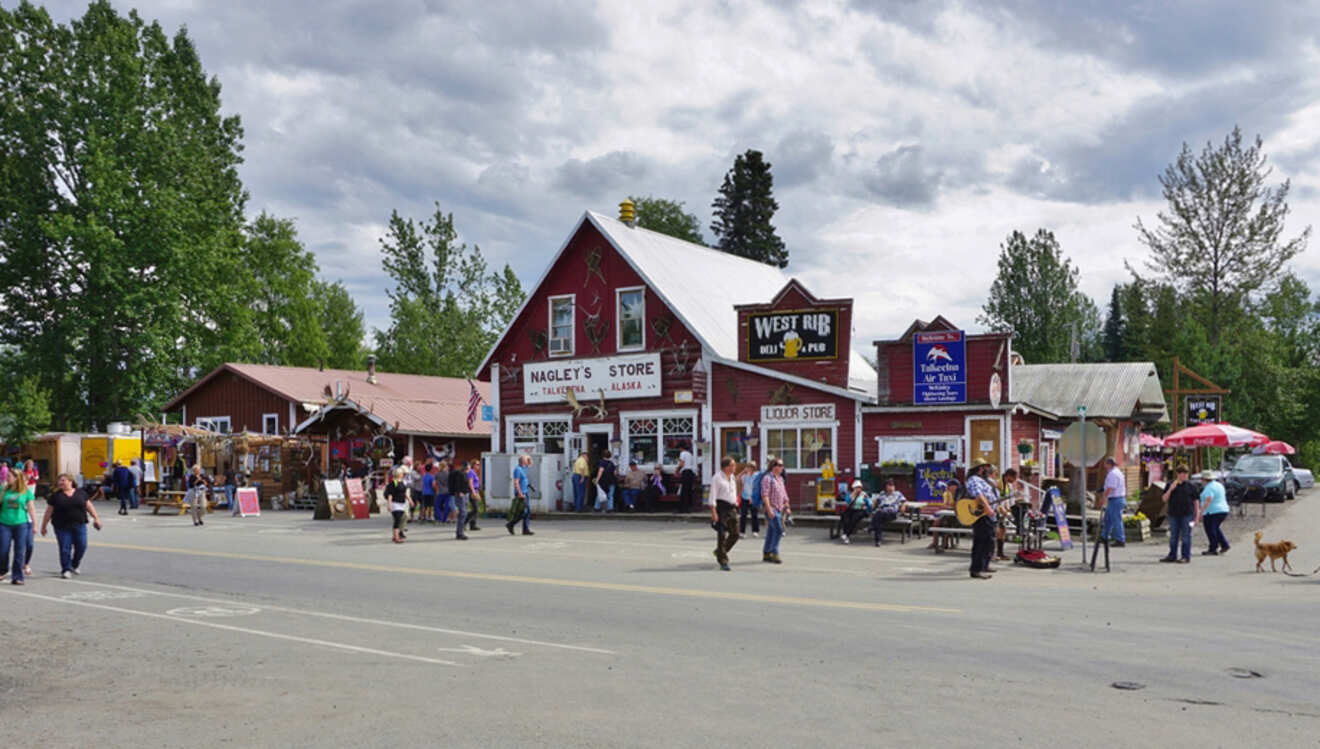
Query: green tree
point(447, 307)
point(121, 212)
point(668, 217)
point(744, 209)
point(1136, 341)
point(287, 316)
point(342, 325)
point(1220, 238)
point(1114, 327)
point(1035, 294)
point(24, 411)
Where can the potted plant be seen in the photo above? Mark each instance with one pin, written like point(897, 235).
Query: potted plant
point(1137, 527)
point(1025, 447)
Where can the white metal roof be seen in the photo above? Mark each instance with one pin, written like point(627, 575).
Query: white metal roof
point(702, 286)
point(1117, 390)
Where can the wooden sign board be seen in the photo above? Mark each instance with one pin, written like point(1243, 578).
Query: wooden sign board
point(357, 499)
point(333, 505)
point(249, 501)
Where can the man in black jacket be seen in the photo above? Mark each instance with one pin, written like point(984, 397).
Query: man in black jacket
point(462, 492)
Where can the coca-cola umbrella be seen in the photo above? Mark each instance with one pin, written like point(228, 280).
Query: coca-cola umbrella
point(1275, 447)
point(1150, 440)
point(1215, 435)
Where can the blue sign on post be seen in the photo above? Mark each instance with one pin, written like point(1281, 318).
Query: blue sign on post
point(487, 413)
point(939, 363)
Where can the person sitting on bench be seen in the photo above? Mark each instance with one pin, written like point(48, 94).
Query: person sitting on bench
point(887, 508)
point(858, 506)
point(944, 541)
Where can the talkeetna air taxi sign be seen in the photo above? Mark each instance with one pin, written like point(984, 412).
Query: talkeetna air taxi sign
point(793, 335)
point(939, 362)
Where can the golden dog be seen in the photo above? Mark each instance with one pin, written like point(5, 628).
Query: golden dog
point(1276, 550)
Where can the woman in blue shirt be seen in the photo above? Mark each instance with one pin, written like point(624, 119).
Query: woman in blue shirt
point(1213, 510)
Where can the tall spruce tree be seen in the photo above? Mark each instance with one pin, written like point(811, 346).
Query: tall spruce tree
point(1113, 334)
point(744, 209)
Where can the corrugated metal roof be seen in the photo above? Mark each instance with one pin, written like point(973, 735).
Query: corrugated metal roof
point(703, 285)
point(1118, 390)
point(419, 404)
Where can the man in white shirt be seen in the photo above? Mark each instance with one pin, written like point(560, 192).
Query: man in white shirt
point(1115, 494)
point(723, 503)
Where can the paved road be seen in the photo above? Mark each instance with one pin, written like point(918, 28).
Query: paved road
point(282, 631)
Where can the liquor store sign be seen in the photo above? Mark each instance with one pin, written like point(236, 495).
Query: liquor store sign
point(797, 413)
point(793, 335)
point(634, 376)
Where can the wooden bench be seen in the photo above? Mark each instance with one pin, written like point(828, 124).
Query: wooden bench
point(937, 534)
point(905, 526)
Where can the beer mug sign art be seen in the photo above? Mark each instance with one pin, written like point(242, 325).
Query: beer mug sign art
point(792, 344)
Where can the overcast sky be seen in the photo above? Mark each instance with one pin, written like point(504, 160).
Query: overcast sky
point(907, 138)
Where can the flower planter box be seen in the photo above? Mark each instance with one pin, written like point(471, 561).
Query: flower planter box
point(1137, 531)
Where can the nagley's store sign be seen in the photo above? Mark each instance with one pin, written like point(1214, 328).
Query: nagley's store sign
point(792, 336)
point(635, 376)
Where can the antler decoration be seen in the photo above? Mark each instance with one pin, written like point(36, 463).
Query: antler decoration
point(660, 326)
point(596, 330)
point(682, 360)
point(783, 396)
point(539, 339)
point(570, 396)
point(592, 260)
point(732, 384)
point(509, 373)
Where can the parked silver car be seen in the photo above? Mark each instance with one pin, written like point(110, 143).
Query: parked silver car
point(1304, 478)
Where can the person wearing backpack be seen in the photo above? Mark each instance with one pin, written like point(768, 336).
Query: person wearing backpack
point(751, 499)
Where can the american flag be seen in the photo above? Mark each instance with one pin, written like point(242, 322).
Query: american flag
point(474, 402)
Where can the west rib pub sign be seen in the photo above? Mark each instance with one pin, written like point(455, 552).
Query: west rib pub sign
point(793, 335)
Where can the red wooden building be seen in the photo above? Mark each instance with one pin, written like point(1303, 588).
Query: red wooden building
point(645, 345)
point(419, 413)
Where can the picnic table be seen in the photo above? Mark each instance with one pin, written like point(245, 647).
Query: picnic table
point(174, 498)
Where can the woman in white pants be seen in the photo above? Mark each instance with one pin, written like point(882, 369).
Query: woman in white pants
point(196, 496)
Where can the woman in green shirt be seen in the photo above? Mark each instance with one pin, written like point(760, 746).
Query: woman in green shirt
point(16, 518)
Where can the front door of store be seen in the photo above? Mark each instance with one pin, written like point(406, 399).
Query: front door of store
point(985, 445)
point(733, 443)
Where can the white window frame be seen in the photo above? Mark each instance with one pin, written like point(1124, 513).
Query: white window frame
point(213, 422)
point(274, 416)
point(956, 439)
point(833, 426)
point(625, 433)
point(572, 327)
point(618, 319)
point(539, 420)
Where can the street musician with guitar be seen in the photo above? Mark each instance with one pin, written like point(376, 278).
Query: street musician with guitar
point(979, 509)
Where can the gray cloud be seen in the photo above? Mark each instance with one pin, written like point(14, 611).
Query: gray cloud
point(801, 157)
point(902, 178)
point(601, 175)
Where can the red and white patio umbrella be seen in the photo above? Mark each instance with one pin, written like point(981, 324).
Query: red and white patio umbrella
point(1215, 435)
point(1276, 447)
point(1150, 440)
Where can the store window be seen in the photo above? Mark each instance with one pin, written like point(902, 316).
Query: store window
point(659, 437)
point(561, 326)
point(270, 423)
point(631, 313)
point(214, 423)
point(539, 435)
point(801, 448)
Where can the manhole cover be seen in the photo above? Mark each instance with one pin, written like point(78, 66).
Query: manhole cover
point(1128, 685)
point(1245, 673)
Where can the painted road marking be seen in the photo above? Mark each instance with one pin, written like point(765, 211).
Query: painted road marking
point(137, 592)
point(548, 581)
point(214, 612)
point(243, 630)
point(101, 595)
point(473, 650)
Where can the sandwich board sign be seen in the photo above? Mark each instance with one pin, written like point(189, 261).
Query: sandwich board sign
point(249, 501)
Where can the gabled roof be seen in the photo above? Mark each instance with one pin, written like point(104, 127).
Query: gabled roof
point(1119, 390)
point(419, 404)
point(701, 285)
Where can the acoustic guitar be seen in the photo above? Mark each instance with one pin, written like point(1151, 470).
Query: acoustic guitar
point(969, 510)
